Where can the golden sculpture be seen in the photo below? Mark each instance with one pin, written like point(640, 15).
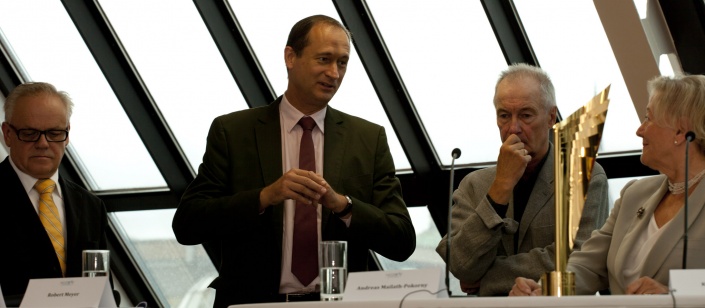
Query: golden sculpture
point(576, 141)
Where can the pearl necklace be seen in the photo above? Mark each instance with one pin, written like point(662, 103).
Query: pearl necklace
point(679, 188)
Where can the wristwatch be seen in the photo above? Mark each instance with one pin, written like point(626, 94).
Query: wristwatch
point(346, 210)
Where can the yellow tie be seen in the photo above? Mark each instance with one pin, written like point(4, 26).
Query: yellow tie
point(49, 216)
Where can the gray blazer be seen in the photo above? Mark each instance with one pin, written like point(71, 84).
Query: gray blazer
point(603, 257)
point(482, 242)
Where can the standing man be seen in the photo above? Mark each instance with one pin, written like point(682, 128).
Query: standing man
point(278, 179)
point(503, 223)
point(45, 221)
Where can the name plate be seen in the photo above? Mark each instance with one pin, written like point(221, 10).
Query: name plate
point(69, 292)
point(385, 285)
point(687, 282)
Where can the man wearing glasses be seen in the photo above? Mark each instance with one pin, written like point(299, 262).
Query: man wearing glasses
point(45, 220)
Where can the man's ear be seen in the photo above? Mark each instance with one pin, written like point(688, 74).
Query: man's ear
point(68, 128)
point(289, 57)
point(553, 114)
point(6, 133)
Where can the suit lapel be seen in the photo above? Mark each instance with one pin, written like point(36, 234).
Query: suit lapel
point(334, 148)
point(19, 206)
point(269, 149)
point(14, 193)
point(269, 145)
point(696, 203)
point(37, 247)
point(73, 216)
point(637, 226)
point(540, 195)
point(673, 233)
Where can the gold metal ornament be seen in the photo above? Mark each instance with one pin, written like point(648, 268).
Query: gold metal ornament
point(576, 141)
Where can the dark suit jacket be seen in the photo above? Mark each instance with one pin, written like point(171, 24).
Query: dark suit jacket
point(27, 252)
point(243, 155)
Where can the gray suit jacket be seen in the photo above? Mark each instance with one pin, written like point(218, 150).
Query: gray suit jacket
point(243, 155)
point(482, 242)
point(604, 256)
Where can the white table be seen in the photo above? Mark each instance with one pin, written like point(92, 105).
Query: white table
point(584, 301)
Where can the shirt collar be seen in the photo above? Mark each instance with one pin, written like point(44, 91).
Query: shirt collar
point(29, 181)
point(290, 116)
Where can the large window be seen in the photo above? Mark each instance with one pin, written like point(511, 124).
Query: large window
point(572, 47)
point(103, 142)
point(615, 188)
point(449, 70)
point(446, 53)
point(425, 255)
point(178, 274)
point(180, 64)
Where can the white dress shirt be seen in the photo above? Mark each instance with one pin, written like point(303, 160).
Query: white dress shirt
point(28, 183)
point(291, 139)
point(642, 248)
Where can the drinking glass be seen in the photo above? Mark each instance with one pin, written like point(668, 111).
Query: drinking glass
point(96, 263)
point(333, 264)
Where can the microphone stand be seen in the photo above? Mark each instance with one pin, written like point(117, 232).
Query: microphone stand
point(689, 136)
point(456, 154)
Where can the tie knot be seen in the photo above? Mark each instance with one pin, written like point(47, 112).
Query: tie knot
point(45, 186)
point(307, 123)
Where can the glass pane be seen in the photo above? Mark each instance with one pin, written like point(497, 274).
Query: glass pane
point(179, 62)
point(452, 51)
point(3, 148)
point(268, 37)
point(425, 255)
point(103, 141)
point(615, 187)
point(572, 47)
point(179, 274)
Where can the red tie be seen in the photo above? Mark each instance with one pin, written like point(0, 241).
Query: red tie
point(304, 259)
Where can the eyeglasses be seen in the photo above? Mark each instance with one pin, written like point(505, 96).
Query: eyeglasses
point(32, 135)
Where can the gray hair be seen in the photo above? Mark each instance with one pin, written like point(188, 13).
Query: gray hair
point(33, 89)
point(680, 102)
point(522, 70)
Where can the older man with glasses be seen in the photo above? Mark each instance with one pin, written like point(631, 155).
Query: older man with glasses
point(46, 221)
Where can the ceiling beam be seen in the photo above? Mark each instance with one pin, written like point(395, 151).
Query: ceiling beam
point(236, 51)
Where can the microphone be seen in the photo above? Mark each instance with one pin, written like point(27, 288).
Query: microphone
point(689, 136)
point(456, 151)
point(456, 154)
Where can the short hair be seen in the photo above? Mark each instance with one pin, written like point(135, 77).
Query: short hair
point(522, 70)
point(33, 89)
point(298, 36)
point(679, 101)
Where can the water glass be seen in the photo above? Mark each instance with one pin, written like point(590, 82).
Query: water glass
point(333, 264)
point(96, 263)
